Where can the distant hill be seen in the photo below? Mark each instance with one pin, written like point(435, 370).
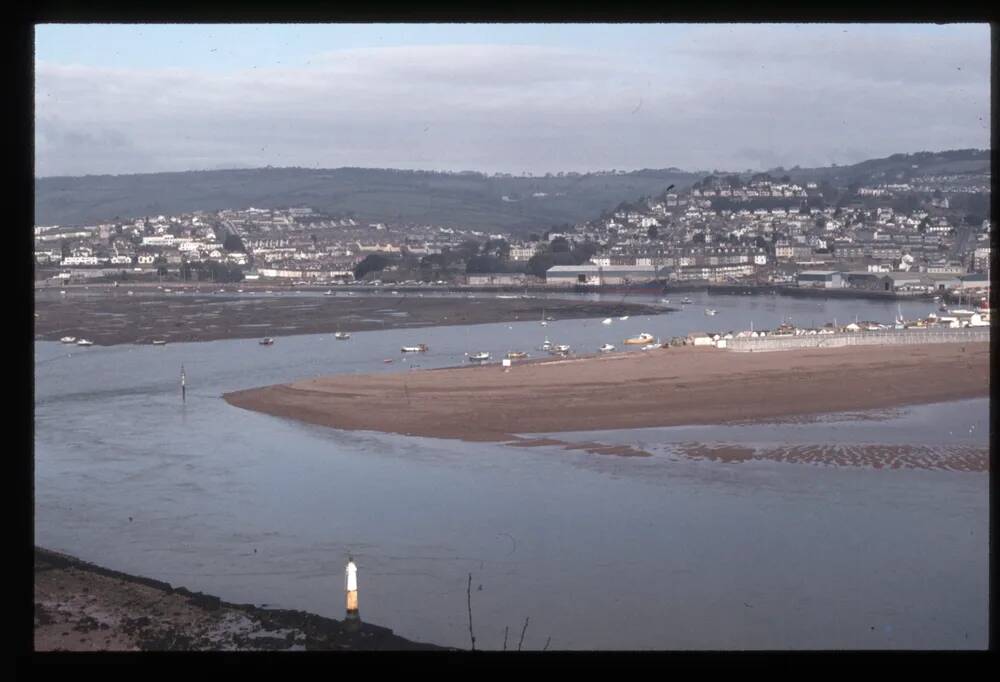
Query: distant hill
point(468, 200)
point(895, 168)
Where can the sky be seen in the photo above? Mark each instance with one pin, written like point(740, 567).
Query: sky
point(513, 98)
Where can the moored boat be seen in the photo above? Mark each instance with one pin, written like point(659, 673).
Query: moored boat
point(479, 357)
point(266, 341)
point(84, 342)
point(686, 300)
point(623, 318)
point(516, 355)
point(640, 340)
point(546, 345)
point(606, 348)
point(68, 339)
point(560, 349)
point(159, 342)
point(419, 348)
point(606, 320)
point(710, 311)
point(341, 336)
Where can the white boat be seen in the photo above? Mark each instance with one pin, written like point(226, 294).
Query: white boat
point(341, 336)
point(130, 293)
point(560, 349)
point(686, 300)
point(419, 348)
point(546, 345)
point(606, 348)
point(159, 342)
point(68, 339)
point(84, 342)
point(266, 341)
point(710, 311)
point(328, 292)
point(544, 323)
point(664, 300)
point(606, 320)
point(640, 340)
point(650, 346)
point(479, 357)
point(623, 318)
point(516, 355)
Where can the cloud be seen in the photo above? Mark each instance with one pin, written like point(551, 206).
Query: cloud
point(706, 100)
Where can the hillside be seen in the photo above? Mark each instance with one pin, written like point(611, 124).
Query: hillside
point(374, 195)
point(895, 168)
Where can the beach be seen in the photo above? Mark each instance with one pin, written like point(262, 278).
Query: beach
point(664, 387)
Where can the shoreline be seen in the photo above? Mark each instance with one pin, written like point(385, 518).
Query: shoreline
point(666, 387)
point(79, 606)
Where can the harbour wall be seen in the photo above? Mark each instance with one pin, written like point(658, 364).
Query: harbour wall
point(862, 338)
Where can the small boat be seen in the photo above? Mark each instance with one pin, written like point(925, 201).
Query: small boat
point(68, 339)
point(650, 346)
point(419, 348)
point(664, 300)
point(341, 336)
point(387, 360)
point(84, 342)
point(516, 355)
point(686, 300)
point(266, 341)
point(239, 291)
point(710, 311)
point(606, 348)
point(159, 342)
point(546, 345)
point(623, 318)
point(130, 293)
point(640, 340)
point(328, 292)
point(560, 348)
point(606, 320)
point(479, 357)
point(168, 291)
point(62, 292)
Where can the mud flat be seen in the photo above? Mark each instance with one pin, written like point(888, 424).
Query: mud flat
point(666, 387)
point(83, 607)
point(111, 316)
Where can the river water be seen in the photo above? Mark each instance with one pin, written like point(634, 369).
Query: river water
point(597, 551)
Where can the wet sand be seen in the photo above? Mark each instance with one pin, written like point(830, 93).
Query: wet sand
point(111, 316)
point(666, 387)
point(82, 607)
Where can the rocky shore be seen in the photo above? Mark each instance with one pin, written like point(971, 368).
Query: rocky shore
point(83, 607)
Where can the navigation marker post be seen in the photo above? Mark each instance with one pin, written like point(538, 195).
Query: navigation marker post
point(183, 384)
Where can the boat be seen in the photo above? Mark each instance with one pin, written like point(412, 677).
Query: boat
point(686, 300)
point(544, 323)
point(623, 318)
point(341, 336)
point(130, 293)
point(710, 311)
point(479, 357)
point(68, 339)
point(560, 349)
point(606, 320)
point(606, 348)
point(419, 348)
point(328, 292)
point(651, 346)
point(159, 342)
point(84, 342)
point(516, 355)
point(665, 301)
point(640, 340)
point(546, 345)
point(266, 341)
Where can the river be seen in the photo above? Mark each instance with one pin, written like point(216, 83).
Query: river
point(599, 552)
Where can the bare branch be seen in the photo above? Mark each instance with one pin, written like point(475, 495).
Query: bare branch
point(523, 630)
point(505, 627)
point(469, 595)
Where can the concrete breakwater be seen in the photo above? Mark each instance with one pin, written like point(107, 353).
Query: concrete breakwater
point(863, 338)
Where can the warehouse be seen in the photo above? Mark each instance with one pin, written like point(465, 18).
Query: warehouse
point(826, 279)
point(599, 275)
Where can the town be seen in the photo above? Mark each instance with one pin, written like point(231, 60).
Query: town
point(925, 235)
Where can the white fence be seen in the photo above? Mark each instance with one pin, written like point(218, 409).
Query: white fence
point(862, 338)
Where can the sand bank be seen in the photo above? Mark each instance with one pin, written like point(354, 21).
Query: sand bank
point(667, 387)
